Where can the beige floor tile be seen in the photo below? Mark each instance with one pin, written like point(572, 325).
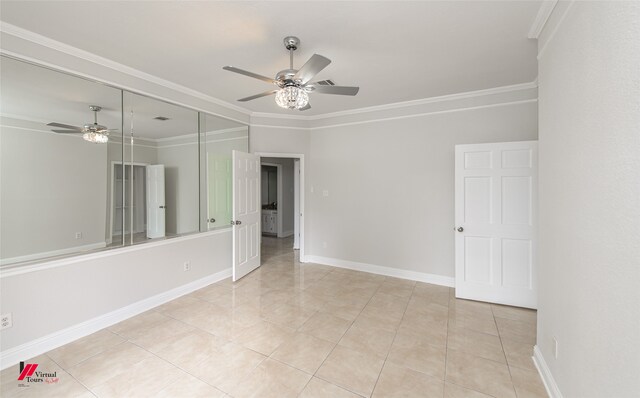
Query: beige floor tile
point(192, 348)
point(469, 320)
point(162, 334)
point(211, 292)
point(63, 385)
point(514, 313)
point(410, 335)
point(455, 391)
point(389, 302)
point(226, 370)
point(483, 375)
point(528, 383)
point(479, 344)
point(84, 348)
point(137, 326)
point(373, 340)
point(519, 355)
point(144, 379)
point(476, 308)
point(397, 381)
point(303, 352)
point(289, 315)
point(378, 320)
point(519, 331)
point(263, 337)
point(318, 388)
point(422, 313)
point(425, 358)
point(326, 326)
point(179, 307)
point(272, 379)
point(189, 386)
point(108, 364)
point(352, 370)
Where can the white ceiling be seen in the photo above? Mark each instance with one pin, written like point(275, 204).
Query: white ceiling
point(394, 50)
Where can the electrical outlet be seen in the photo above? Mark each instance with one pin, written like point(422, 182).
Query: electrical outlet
point(78, 235)
point(555, 348)
point(187, 265)
point(6, 322)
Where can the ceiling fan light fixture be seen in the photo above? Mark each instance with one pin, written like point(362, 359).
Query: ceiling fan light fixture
point(95, 137)
point(292, 97)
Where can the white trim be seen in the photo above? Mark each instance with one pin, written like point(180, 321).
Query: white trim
point(54, 340)
point(272, 126)
point(386, 271)
point(54, 263)
point(52, 253)
point(303, 257)
point(195, 135)
point(425, 114)
point(545, 374)
point(555, 30)
point(544, 12)
point(279, 116)
point(90, 57)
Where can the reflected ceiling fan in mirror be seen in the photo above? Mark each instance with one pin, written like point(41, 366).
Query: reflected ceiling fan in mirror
point(295, 85)
point(92, 132)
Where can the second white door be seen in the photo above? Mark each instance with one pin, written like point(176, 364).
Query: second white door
point(155, 201)
point(496, 215)
point(246, 213)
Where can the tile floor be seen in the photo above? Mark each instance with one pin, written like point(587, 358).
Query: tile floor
point(289, 330)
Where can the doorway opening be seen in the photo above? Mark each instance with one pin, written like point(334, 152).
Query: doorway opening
point(282, 204)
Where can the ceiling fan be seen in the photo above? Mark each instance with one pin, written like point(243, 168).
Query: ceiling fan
point(294, 85)
point(92, 132)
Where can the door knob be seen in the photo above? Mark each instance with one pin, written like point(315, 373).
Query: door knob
point(163, 207)
point(212, 220)
point(460, 229)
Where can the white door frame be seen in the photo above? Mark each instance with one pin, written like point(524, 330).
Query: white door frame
point(303, 258)
point(278, 193)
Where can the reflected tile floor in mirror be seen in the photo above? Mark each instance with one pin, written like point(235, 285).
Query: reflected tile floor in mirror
point(289, 330)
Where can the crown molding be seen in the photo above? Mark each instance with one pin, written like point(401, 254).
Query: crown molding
point(555, 27)
point(544, 12)
point(403, 104)
point(90, 57)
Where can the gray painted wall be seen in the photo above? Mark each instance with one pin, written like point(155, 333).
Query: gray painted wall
point(590, 199)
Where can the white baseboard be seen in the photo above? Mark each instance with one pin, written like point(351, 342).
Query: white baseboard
point(53, 253)
point(545, 374)
point(54, 340)
point(386, 271)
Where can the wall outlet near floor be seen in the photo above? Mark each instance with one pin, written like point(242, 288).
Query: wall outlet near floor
point(555, 348)
point(6, 321)
point(187, 265)
point(78, 235)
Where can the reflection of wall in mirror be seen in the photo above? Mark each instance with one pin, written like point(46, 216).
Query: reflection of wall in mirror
point(54, 193)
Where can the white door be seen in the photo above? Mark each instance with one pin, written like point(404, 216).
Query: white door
point(218, 187)
point(496, 189)
point(246, 213)
point(155, 201)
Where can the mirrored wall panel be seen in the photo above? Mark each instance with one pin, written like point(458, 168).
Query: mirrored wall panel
point(161, 170)
point(85, 166)
point(219, 137)
point(54, 180)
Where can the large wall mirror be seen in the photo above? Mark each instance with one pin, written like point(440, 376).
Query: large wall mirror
point(85, 166)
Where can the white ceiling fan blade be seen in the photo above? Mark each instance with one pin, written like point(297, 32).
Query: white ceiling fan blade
point(245, 99)
point(64, 126)
point(305, 108)
point(250, 74)
point(337, 90)
point(67, 132)
point(314, 65)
